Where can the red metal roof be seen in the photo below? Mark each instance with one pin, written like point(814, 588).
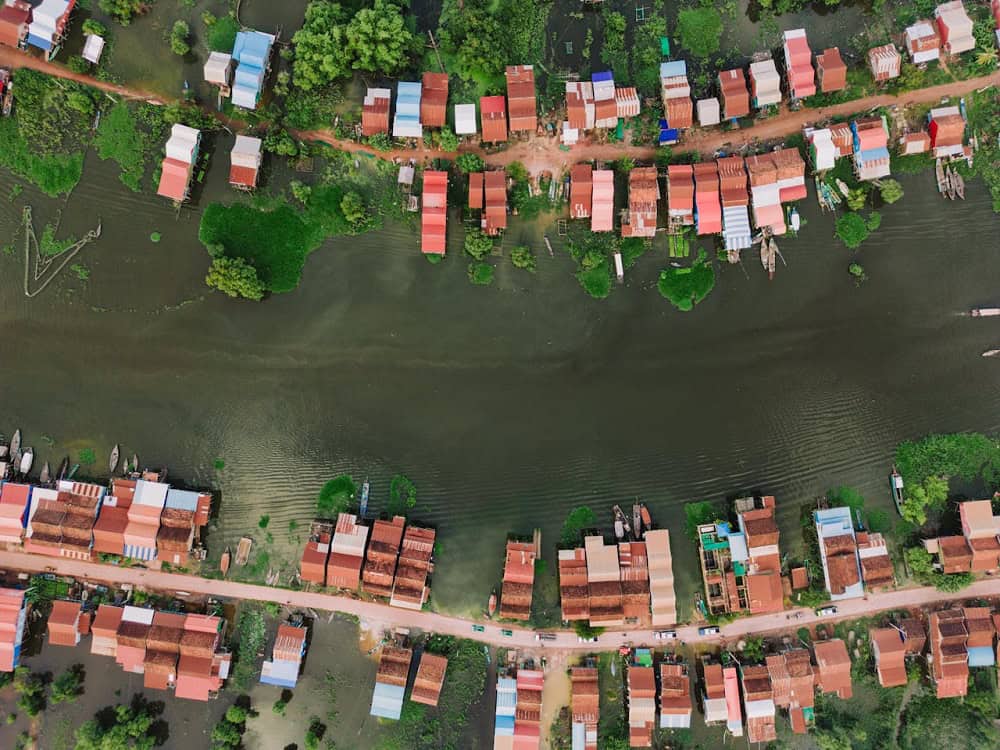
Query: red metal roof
point(521, 97)
point(243, 176)
point(831, 70)
point(13, 24)
point(435, 213)
point(581, 188)
point(476, 190)
point(434, 100)
point(495, 211)
point(735, 95)
point(680, 189)
point(375, 116)
point(602, 217)
point(493, 111)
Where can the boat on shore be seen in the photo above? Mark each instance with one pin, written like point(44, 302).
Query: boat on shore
point(63, 468)
point(975, 312)
point(622, 526)
point(896, 487)
point(365, 490)
point(491, 606)
point(243, 550)
point(113, 460)
point(26, 460)
point(224, 561)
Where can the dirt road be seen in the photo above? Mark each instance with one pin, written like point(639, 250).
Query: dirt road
point(378, 616)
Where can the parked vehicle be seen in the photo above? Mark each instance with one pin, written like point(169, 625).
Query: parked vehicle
point(709, 630)
point(478, 629)
point(507, 633)
point(581, 639)
point(665, 635)
point(826, 611)
point(545, 636)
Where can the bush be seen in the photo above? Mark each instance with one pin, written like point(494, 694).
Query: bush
point(353, 207)
point(686, 287)
point(890, 191)
point(402, 495)
point(522, 257)
point(119, 138)
point(30, 688)
point(179, 38)
point(874, 221)
point(446, 139)
point(699, 513)
point(122, 11)
point(380, 142)
point(469, 162)
point(477, 244)
point(78, 64)
point(235, 278)
point(852, 230)
point(336, 496)
point(222, 34)
point(596, 281)
point(68, 686)
point(95, 27)
point(480, 273)
point(580, 519)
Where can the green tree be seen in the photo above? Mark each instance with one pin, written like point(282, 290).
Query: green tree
point(753, 649)
point(856, 198)
point(698, 513)
point(446, 139)
point(68, 686)
point(469, 162)
point(402, 495)
point(80, 101)
point(235, 278)
point(930, 723)
point(30, 688)
point(580, 519)
point(128, 727)
point(320, 46)
point(874, 221)
point(478, 244)
point(522, 257)
point(79, 65)
point(919, 497)
point(122, 11)
point(378, 40)
point(890, 191)
point(336, 496)
point(278, 141)
point(95, 27)
point(699, 31)
point(480, 273)
point(852, 230)
point(353, 207)
point(179, 38)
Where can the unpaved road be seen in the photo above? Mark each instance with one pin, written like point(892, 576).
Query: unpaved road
point(378, 616)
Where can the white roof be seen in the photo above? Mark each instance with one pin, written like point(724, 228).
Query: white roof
point(569, 137)
point(350, 537)
point(218, 68)
point(506, 696)
point(919, 30)
point(372, 94)
point(48, 12)
point(767, 80)
point(93, 48)
point(138, 614)
point(716, 709)
point(708, 111)
point(280, 669)
point(465, 119)
point(246, 151)
point(153, 494)
point(757, 709)
point(675, 721)
point(944, 112)
point(405, 175)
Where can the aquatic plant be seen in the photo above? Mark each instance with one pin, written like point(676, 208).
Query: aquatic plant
point(686, 287)
point(852, 230)
point(578, 520)
point(86, 457)
point(81, 271)
point(698, 513)
point(402, 495)
point(596, 281)
point(219, 464)
point(478, 244)
point(480, 273)
point(336, 496)
point(235, 278)
point(522, 257)
point(119, 138)
point(54, 174)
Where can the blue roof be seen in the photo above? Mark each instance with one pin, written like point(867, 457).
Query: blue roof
point(604, 75)
point(875, 154)
point(673, 68)
point(252, 48)
point(182, 500)
point(722, 530)
point(40, 41)
point(981, 656)
point(504, 726)
point(827, 515)
point(387, 701)
point(408, 88)
point(738, 547)
point(669, 135)
point(280, 672)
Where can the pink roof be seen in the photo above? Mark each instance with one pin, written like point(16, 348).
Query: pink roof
point(529, 679)
point(174, 179)
point(769, 216)
point(871, 138)
point(733, 695)
point(435, 212)
point(602, 216)
point(14, 495)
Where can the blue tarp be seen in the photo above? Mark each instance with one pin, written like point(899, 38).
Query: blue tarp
point(981, 656)
point(604, 75)
point(875, 154)
point(722, 530)
point(504, 726)
point(673, 68)
point(668, 135)
point(182, 500)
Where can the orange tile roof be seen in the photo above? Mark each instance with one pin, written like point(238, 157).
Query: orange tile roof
point(493, 112)
point(433, 100)
point(890, 659)
point(429, 679)
point(834, 667)
point(521, 97)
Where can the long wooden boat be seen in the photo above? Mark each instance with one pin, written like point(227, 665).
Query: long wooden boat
point(243, 550)
point(896, 487)
point(63, 468)
point(4, 448)
point(491, 607)
point(227, 556)
point(114, 458)
point(15, 442)
point(26, 460)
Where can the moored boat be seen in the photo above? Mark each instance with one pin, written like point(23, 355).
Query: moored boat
point(647, 520)
point(793, 219)
point(896, 487)
point(63, 468)
point(365, 489)
point(224, 561)
point(491, 607)
point(991, 352)
point(975, 312)
point(15, 442)
point(26, 460)
point(243, 550)
point(636, 522)
point(113, 460)
point(4, 448)
point(46, 476)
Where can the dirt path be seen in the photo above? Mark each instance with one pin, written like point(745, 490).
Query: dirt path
point(376, 616)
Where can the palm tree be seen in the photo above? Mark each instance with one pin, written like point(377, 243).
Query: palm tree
point(987, 58)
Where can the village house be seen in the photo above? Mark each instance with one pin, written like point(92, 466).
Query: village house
point(181, 153)
point(735, 199)
point(634, 568)
point(954, 28)
point(13, 615)
point(518, 581)
point(14, 21)
point(680, 194)
point(663, 602)
point(822, 152)
point(465, 119)
point(574, 591)
point(581, 189)
point(104, 630)
point(218, 70)
point(798, 64)
point(871, 152)
point(765, 84)
point(343, 567)
point(506, 707)
point(312, 568)
point(675, 696)
point(758, 696)
point(831, 70)
point(375, 112)
point(643, 194)
point(184, 514)
point(434, 100)
point(838, 552)
point(734, 93)
point(410, 589)
point(602, 216)
point(580, 112)
point(66, 623)
point(734, 720)
point(977, 549)
point(282, 669)
point(245, 160)
point(833, 668)
point(707, 209)
point(890, 656)
point(922, 42)
point(47, 25)
point(792, 681)
point(15, 500)
point(494, 217)
point(604, 583)
point(144, 519)
point(429, 679)
point(434, 217)
point(406, 119)
point(946, 128)
point(791, 174)
point(641, 705)
point(979, 645)
point(493, 111)
point(252, 52)
point(877, 570)
point(713, 698)
point(380, 561)
point(584, 708)
point(884, 62)
point(767, 211)
point(605, 105)
point(675, 93)
point(390, 682)
point(521, 98)
point(949, 657)
point(708, 111)
point(915, 143)
point(528, 710)
point(627, 102)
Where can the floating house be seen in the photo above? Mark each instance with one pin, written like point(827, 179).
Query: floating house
point(605, 106)
point(979, 645)
point(476, 190)
point(283, 667)
point(14, 22)
point(144, 519)
point(922, 42)
point(434, 218)
point(758, 696)
point(133, 631)
point(410, 589)
point(680, 194)
point(178, 163)
point(604, 583)
point(833, 668)
point(375, 112)
point(734, 720)
point(162, 650)
point(831, 71)
point(574, 592)
point(312, 568)
point(767, 212)
point(67, 623)
point(954, 27)
point(627, 102)
point(877, 570)
point(708, 111)
point(890, 656)
point(503, 728)
point(871, 152)
point(946, 127)
point(93, 47)
point(707, 209)
point(602, 216)
point(465, 119)
point(792, 682)
point(244, 162)
point(675, 92)
point(252, 53)
point(201, 666)
point(838, 553)
point(13, 614)
point(406, 121)
point(641, 705)
point(429, 680)
point(915, 143)
point(884, 62)
point(218, 70)
point(580, 110)
point(390, 682)
point(528, 716)
point(735, 199)
point(713, 698)
point(434, 100)
point(584, 708)
point(765, 84)
point(493, 111)
point(675, 696)
point(518, 581)
point(798, 64)
point(581, 190)
point(521, 98)
point(383, 552)
point(47, 26)
point(643, 194)
point(347, 551)
point(734, 93)
point(15, 500)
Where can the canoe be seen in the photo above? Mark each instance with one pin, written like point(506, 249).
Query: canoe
point(224, 561)
point(492, 606)
point(4, 448)
point(135, 462)
point(63, 467)
point(243, 550)
point(113, 460)
point(15, 442)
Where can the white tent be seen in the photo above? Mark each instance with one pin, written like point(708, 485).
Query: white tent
point(465, 119)
point(93, 48)
point(218, 68)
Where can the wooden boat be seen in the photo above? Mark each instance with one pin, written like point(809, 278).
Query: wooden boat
point(939, 175)
point(365, 489)
point(959, 182)
point(491, 607)
point(896, 487)
point(15, 442)
point(113, 460)
point(243, 550)
point(61, 474)
point(842, 187)
point(991, 352)
point(975, 312)
point(72, 472)
point(772, 254)
point(647, 520)
point(224, 561)
point(621, 520)
point(26, 460)
point(636, 522)
point(4, 448)
point(45, 477)
point(135, 462)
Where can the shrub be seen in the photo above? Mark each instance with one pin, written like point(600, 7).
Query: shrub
point(480, 273)
point(686, 287)
point(699, 31)
point(477, 244)
point(95, 27)
point(580, 519)
point(469, 162)
point(852, 230)
point(235, 278)
point(78, 64)
point(522, 257)
point(336, 496)
point(179, 38)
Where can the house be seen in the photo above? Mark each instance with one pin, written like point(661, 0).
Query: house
point(380, 560)
point(585, 706)
point(758, 696)
point(946, 127)
point(798, 64)
point(871, 152)
point(734, 93)
point(765, 84)
point(822, 152)
point(843, 138)
point(429, 680)
point(347, 551)
point(603, 583)
point(605, 106)
point(735, 198)
point(978, 548)
point(104, 630)
point(707, 209)
point(675, 92)
point(833, 668)
point(528, 710)
point(410, 589)
point(643, 194)
point(162, 650)
point(580, 109)
point(627, 102)
point(434, 217)
point(838, 553)
point(406, 120)
point(494, 216)
point(574, 591)
point(713, 699)
point(634, 573)
point(914, 635)
point(791, 174)
point(390, 682)
point(800, 578)
point(680, 194)
point(61, 521)
point(286, 657)
point(581, 190)
point(14, 21)
point(312, 568)
point(493, 111)
point(518, 581)
point(93, 47)
point(218, 69)
point(202, 667)
point(877, 570)
point(792, 681)
point(14, 502)
point(603, 207)
point(641, 705)
point(13, 614)
point(375, 112)
point(521, 98)
point(922, 42)
point(48, 25)
point(890, 656)
point(979, 645)
point(675, 696)
point(831, 71)
point(184, 514)
point(954, 27)
point(734, 720)
point(663, 602)
point(503, 728)
point(708, 111)
point(915, 143)
point(465, 119)
point(245, 160)
point(133, 630)
point(144, 519)
point(949, 658)
point(767, 212)
point(884, 62)
point(181, 153)
point(434, 100)
point(252, 52)
point(66, 623)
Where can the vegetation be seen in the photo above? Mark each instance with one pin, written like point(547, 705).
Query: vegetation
point(698, 513)
point(378, 40)
point(319, 46)
point(95, 27)
point(250, 635)
point(480, 273)
point(155, 237)
point(336, 496)
point(118, 137)
point(353, 207)
point(30, 689)
point(53, 174)
point(858, 272)
point(929, 722)
point(753, 650)
point(890, 191)
point(122, 727)
point(222, 34)
point(522, 257)
point(686, 287)
point(478, 244)
point(470, 162)
point(585, 630)
point(921, 565)
point(235, 278)
point(402, 495)
point(700, 30)
point(315, 733)
point(964, 455)
point(579, 520)
point(87, 457)
point(852, 230)
point(984, 117)
point(228, 732)
point(123, 11)
point(613, 51)
point(179, 35)
point(68, 686)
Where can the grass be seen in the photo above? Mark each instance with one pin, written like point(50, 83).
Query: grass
point(50, 246)
point(54, 175)
point(596, 281)
point(686, 287)
point(222, 34)
point(119, 138)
